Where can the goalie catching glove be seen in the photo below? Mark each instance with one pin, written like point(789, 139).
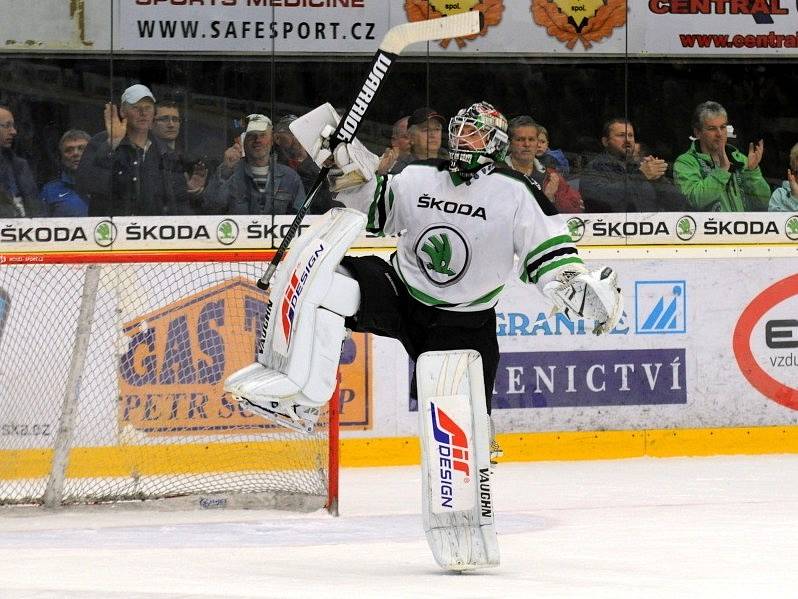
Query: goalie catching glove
point(354, 163)
point(593, 295)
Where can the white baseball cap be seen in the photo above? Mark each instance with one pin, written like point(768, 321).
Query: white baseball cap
point(258, 122)
point(136, 93)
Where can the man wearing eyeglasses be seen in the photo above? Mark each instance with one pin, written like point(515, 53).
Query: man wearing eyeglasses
point(127, 170)
point(18, 193)
point(166, 127)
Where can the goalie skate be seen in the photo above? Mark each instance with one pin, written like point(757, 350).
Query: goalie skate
point(274, 396)
point(284, 413)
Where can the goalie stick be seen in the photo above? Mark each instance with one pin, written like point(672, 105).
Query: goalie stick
point(396, 40)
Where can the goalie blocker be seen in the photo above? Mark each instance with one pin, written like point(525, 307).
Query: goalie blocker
point(303, 329)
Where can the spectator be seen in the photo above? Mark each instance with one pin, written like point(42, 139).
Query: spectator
point(59, 196)
point(617, 181)
point(258, 184)
point(400, 146)
point(549, 157)
point(166, 127)
point(291, 153)
point(19, 196)
point(400, 138)
point(128, 171)
point(523, 132)
point(785, 198)
point(425, 129)
point(8, 208)
point(716, 176)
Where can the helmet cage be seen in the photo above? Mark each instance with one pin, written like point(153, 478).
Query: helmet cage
point(485, 141)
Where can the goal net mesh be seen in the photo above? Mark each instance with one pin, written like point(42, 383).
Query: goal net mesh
point(149, 418)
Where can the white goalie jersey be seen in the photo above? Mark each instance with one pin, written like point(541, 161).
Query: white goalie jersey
point(459, 239)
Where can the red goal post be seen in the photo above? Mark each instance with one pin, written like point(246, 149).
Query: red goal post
point(111, 372)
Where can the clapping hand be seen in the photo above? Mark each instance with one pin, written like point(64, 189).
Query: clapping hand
point(653, 168)
point(387, 160)
point(721, 159)
point(115, 127)
point(196, 179)
point(755, 152)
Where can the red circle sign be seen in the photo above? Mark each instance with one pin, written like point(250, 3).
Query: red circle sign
point(741, 342)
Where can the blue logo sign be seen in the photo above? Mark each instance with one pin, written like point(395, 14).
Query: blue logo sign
point(660, 307)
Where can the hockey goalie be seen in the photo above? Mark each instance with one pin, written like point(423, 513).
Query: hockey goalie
point(465, 227)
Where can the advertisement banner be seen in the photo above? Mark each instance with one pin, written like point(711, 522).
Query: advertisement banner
point(25, 240)
point(673, 228)
point(172, 373)
point(560, 379)
point(672, 355)
point(171, 376)
point(192, 233)
point(714, 28)
point(710, 342)
point(512, 27)
point(252, 25)
point(766, 342)
point(704, 341)
point(358, 26)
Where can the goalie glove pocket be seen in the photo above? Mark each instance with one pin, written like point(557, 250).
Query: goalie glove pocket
point(593, 295)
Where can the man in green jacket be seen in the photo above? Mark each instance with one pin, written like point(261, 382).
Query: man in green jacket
point(716, 176)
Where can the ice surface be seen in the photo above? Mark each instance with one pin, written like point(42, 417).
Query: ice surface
point(679, 527)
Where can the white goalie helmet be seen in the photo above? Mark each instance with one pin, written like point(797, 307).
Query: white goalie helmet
point(477, 136)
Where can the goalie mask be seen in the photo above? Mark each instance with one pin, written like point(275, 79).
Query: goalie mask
point(477, 136)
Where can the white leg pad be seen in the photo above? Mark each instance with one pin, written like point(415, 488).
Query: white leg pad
point(455, 471)
point(303, 329)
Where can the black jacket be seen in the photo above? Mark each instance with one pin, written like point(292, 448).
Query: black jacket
point(609, 184)
point(130, 182)
point(16, 169)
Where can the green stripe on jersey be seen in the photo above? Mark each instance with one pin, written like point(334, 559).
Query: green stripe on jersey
point(553, 245)
point(487, 297)
point(552, 265)
point(549, 243)
point(429, 300)
point(373, 225)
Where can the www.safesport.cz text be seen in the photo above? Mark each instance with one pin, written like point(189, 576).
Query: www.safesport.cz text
point(240, 30)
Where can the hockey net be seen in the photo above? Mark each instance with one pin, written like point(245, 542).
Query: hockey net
point(111, 374)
